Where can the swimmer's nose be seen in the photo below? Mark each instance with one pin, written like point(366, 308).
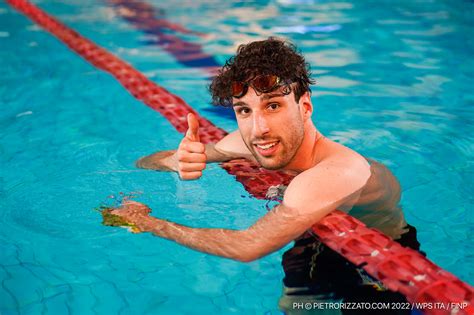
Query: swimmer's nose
point(260, 126)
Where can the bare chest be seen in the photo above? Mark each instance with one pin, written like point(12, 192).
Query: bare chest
point(382, 190)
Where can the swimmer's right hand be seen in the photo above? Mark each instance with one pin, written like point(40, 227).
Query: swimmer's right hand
point(191, 154)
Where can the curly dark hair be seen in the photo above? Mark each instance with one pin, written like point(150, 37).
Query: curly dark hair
point(272, 56)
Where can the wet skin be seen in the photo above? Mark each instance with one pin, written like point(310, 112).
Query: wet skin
point(275, 120)
point(278, 133)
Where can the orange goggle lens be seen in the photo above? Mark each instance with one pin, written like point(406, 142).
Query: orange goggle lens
point(261, 83)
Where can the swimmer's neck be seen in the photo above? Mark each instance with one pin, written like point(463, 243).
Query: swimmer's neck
point(309, 153)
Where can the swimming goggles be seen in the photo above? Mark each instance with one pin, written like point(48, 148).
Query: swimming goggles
point(262, 83)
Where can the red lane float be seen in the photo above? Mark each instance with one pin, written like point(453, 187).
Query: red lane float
point(400, 269)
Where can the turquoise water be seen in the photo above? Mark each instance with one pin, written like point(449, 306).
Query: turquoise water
point(394, 83)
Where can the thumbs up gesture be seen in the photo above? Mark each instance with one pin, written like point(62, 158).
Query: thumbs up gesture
point(191, 152)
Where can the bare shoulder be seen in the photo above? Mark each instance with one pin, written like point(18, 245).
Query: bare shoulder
point(338, 178)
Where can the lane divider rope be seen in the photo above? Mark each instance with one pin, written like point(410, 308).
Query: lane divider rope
point(400, 269)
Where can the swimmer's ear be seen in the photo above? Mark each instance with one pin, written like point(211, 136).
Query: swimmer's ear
point(306, 106)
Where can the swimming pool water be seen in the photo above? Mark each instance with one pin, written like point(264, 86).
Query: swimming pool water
point(394, 82)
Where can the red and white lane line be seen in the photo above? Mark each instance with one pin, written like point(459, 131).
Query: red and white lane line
point(399, 268)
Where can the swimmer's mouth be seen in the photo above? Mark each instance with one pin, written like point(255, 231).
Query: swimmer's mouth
point(266, 148)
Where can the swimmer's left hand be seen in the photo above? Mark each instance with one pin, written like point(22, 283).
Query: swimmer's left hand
point(136, 214)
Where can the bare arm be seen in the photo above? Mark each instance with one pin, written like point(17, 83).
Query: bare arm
point(309, 197)
point(168, 161)
point(190, 159)
point(160, 161)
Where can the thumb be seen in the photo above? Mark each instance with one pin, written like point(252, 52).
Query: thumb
point(193, 128)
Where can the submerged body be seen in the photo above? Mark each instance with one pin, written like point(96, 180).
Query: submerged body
point(267, 84)
point(376, 203)
point(314, 272)
point(379, 203)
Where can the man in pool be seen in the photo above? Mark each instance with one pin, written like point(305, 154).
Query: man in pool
point(267, 84)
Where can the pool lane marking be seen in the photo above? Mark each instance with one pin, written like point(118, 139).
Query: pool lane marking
point(143, 16)
point(400, 269)
point(171, 106)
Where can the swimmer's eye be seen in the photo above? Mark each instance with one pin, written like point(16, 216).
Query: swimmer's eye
point(273, 106)
point(242, 110)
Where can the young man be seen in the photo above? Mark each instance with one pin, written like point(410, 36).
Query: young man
point(267, 84)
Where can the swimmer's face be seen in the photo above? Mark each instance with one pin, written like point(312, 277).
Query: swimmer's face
point(271, 125)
